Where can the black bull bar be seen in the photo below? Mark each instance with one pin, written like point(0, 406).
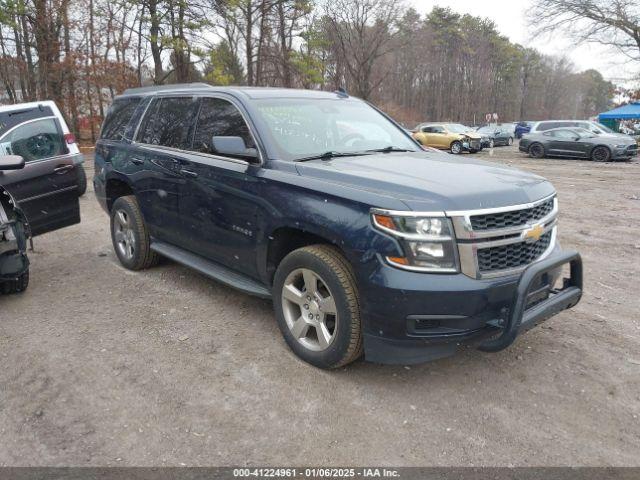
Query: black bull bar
point(520, 318)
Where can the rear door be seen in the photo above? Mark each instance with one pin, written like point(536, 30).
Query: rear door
point(47, 188)
point(436, 136)
point(161, 146)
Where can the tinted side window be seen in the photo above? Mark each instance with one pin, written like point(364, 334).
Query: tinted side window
point(118, 116)
point(564, 134)
point(219, 118)
point(35, 140)
point(168, 122)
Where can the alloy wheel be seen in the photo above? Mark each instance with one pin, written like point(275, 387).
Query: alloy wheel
point(309, 309)
point(536, 151)
point(123, 234)
point(601, 154)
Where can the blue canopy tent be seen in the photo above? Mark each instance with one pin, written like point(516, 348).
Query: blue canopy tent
point(626, 112)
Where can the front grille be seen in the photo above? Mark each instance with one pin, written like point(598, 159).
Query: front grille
point(513, 255)
point(514, 218)
point(632, 150)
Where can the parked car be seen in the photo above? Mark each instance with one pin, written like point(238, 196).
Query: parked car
point(448, 136)
point(494, 136)
point(364, 242)
point(522, 128)
point(509, 127)
point(48, 132)
point(593, 127)
point(578, 143)
point(14, 264)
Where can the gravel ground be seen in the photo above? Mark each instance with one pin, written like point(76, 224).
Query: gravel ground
point(103, 366)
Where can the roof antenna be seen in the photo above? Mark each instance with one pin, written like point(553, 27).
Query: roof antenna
point(341, 92)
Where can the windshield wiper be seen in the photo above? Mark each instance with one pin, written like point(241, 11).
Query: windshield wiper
point(329, 155)
point(390, 149)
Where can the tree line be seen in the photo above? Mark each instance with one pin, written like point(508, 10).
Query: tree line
point(417, 66)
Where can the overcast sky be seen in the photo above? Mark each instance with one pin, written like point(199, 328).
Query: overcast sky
point(510, 18)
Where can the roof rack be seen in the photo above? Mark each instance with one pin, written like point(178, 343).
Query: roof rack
point(160, 88)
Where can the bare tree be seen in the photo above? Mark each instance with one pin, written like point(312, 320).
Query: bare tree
point(363, 32)
point(615, 23)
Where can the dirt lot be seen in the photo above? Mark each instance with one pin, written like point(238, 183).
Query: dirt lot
point(102, 366)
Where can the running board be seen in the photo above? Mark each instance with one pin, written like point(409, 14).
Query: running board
point(211, 269)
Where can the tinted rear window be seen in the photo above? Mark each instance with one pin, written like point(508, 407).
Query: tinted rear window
point(169, 122)
point(118, 116)
point(10, 119)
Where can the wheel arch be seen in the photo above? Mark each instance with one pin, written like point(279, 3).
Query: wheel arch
point(598, 145)
point(285, 239)
point(117, 186)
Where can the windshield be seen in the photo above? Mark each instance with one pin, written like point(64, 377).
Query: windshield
point(602, 128)
point(306, 127)
point(457, 128)
point(486, 129)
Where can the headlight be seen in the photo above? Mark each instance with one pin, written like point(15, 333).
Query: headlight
point(622, 146)
point(427, 242)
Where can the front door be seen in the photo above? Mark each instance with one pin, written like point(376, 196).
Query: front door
point(222, 207)
point(46, 189)
point(566, 143)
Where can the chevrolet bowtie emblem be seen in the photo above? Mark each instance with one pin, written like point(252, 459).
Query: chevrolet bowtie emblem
point(533, 234)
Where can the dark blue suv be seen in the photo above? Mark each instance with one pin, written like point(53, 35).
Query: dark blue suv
point(364, 241)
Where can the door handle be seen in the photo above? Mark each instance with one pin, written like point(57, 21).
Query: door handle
point(63, 169)
point(188, 173)
point(136, 160)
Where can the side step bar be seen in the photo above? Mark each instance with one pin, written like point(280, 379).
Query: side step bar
point(211, 269)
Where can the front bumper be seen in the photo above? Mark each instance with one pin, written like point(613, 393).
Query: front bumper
point(625, 153)
point(406, 325)
point(472, 144)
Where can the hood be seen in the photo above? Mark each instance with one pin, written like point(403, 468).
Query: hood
point(474, 135)
point(626, 139)
point(427, 181)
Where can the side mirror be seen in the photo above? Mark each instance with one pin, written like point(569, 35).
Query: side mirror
point(11, 162)
point(577, 138)
point(233, 146)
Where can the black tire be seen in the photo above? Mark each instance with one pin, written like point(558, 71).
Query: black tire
point(327, 263)
point(601, 154)
point(82, 180)
point(15, 286)
point(137, 234)
point(536, 150)
point(473, 150)
point(456, 147)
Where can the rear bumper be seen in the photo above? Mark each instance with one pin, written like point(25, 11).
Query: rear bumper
point(414, 327)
